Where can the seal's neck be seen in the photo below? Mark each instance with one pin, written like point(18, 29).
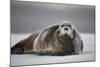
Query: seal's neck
point(73, 35)
point(66, 37)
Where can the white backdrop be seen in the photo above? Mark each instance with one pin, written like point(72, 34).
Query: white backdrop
point(5, 33)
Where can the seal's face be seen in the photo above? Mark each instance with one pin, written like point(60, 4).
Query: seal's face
point(66, 29)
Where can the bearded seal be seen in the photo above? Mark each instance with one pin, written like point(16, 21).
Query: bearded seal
point(59, 39)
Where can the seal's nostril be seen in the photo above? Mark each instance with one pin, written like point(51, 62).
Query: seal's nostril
point(65, 28)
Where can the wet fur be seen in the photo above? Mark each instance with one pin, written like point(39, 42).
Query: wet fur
point(47, 42)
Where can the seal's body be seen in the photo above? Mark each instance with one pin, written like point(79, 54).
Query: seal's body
point(59, 39)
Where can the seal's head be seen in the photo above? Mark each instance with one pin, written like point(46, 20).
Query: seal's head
point(66, 29)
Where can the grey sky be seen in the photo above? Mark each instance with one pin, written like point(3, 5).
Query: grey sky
point(28, 17)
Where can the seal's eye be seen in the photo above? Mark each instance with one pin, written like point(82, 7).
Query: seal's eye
point(62, 26)
point(69, 25)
